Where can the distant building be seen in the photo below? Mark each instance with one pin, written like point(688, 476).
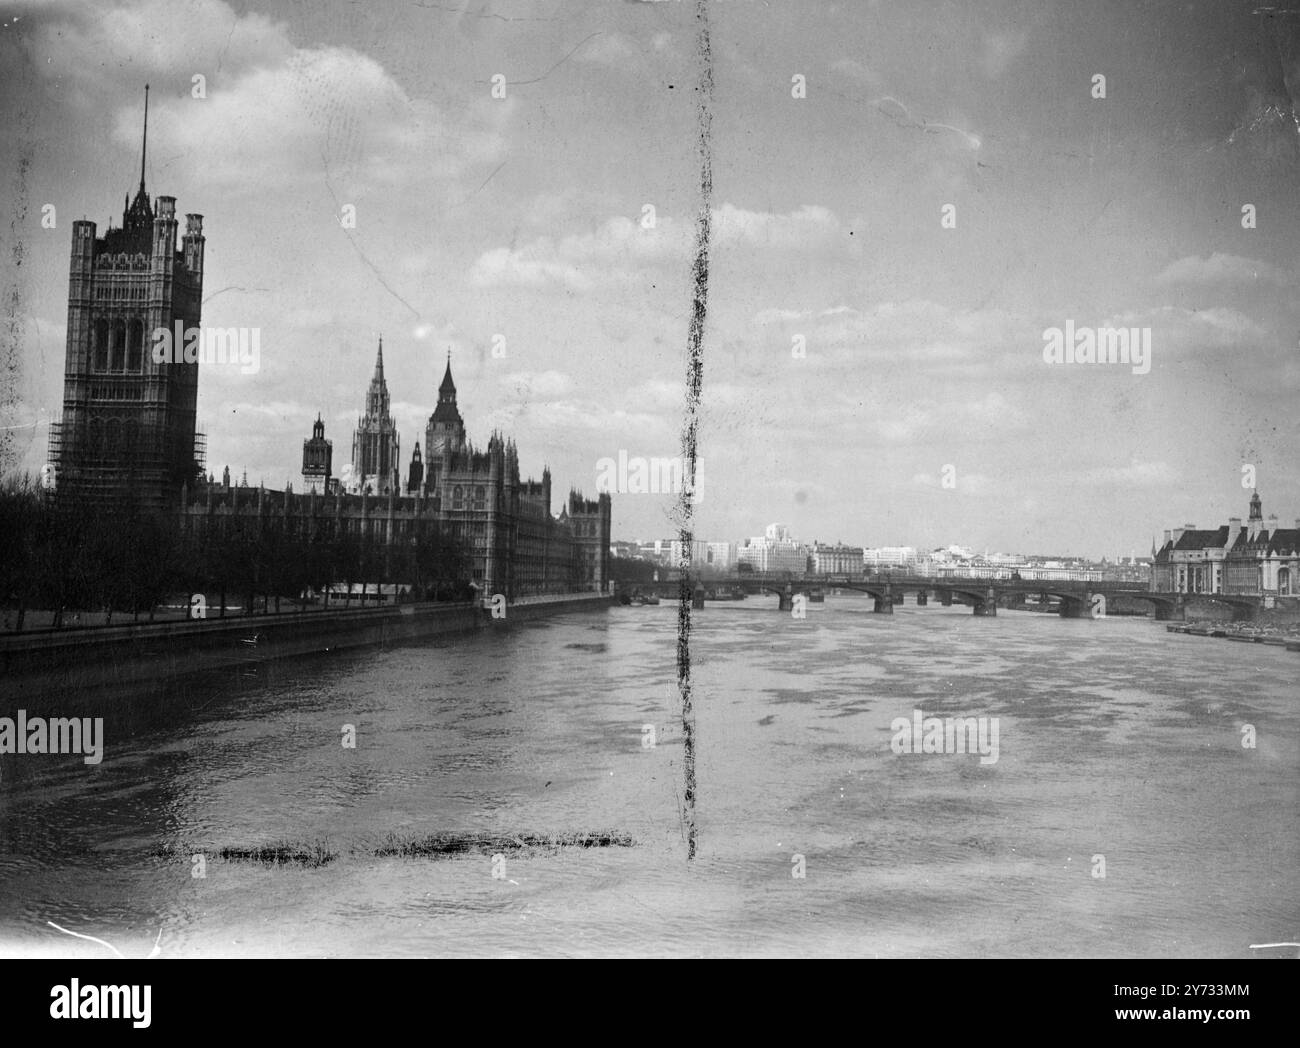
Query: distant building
point(836, 560)
point(889, 557)
point(696, 554)
point(317, 460)
point(774, 551)
point(778, 533)
point(720, 555)
point(657, 550)
point(1254, 559)
point(671, 552)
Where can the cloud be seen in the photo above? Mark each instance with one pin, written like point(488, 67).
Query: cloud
point(621, 249)
point(161, 36)
point(912, 332)
point(1135, 475)
point(1189, 330)
point(933, 418)
point(809, 227)
point(273, 114)
point(1220, 268)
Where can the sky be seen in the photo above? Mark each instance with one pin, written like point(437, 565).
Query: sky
point(873, 372)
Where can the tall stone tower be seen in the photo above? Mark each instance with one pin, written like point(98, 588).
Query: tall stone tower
point(415, 477)
point(446, 429)
point(128, 427)
point(317, 460)
point(445, 433)
point(375, 445)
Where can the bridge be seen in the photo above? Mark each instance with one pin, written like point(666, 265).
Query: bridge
point(1076, 599)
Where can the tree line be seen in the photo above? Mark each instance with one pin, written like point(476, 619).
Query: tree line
point(63, 556)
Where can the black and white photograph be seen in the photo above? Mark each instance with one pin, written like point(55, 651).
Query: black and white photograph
point(763, 479)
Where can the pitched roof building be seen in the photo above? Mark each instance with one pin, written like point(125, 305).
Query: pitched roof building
point(1257, 558)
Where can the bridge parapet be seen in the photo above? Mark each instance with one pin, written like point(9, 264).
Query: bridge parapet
point(983, 595)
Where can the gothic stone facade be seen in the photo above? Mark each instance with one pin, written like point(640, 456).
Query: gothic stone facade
point(128, 425)
point(517, 547)
point(375, 444)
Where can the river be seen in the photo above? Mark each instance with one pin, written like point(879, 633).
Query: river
point(1117, 741)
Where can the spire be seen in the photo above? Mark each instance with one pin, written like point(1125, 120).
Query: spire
point(447, 390)
point(377, 395)
point(137, 215)
point(144, 145)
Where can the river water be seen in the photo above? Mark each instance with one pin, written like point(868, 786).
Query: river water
point(1118, 741)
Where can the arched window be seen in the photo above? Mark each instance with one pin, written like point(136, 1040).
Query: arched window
point(117, 352)
point(113, 436)
point(1284, 581)
point(134, 342)
point(95, 436)
point(101, 345)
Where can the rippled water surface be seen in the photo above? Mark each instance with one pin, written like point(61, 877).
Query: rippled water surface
point(1116, 739)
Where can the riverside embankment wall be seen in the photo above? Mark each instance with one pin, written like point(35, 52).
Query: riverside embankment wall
point(87, 665)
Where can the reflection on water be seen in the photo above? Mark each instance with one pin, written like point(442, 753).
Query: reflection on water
point(1117, 739)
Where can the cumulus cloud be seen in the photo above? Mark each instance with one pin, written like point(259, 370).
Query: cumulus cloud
point(1189, 330)
point(272, 113)
point(163, 37)
point(808, 227)
point(1220, 269)
point(621, 248)
point(915, 331)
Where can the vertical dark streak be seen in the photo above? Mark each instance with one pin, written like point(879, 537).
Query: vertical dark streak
point(690, 425)
point(11, 339)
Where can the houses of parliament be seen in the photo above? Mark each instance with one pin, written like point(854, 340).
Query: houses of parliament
point(128, 433)
point(518, 548)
